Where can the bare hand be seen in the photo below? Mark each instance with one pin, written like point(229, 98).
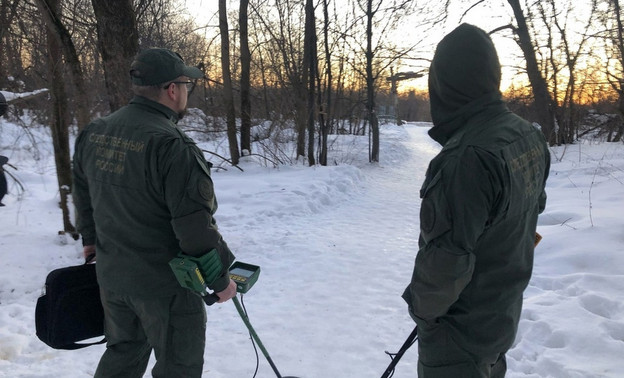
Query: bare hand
point(228, 293)
point(87, 251)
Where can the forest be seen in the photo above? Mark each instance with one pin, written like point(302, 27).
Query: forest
point(307, 68)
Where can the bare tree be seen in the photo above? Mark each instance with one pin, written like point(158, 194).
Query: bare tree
point(613, 42)
point(390, 11)
point(118, 43)
point(50, 12)
point(292, 54)
point(283, 25)
point(325, 107)
point(60, 122)
point(8, 12)
point(565, 50)
point(619, 87)
point(245, 77)
point(310, 68)
point(543, 102)
point(228, 97)
point(370, 81)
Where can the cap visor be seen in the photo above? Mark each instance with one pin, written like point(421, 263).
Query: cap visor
point(193, 72)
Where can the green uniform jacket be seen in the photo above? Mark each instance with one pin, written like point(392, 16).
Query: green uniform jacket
point(143, 193)
point(480, 201)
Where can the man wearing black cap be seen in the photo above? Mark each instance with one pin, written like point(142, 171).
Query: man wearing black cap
point(480, 201)
point(143, 193)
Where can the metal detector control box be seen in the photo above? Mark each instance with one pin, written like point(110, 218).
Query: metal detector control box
point(245, 275)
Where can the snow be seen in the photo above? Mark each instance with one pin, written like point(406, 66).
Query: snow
point(336, 246)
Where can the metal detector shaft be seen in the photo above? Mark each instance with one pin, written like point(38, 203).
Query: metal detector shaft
point(408, 343)
point(253, 334)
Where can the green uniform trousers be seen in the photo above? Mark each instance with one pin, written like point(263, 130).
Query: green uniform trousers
point(440, 356)
point(173, 326)
point(465, 369)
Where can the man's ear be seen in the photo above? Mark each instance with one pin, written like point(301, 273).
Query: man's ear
point(172, 92)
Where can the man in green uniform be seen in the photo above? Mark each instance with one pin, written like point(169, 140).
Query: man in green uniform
point(3, 159)
point(3, 104)
point(480, 201)
point(143, 193)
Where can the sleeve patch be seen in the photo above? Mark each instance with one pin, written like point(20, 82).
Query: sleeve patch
point(206, 191)
point(434, 213)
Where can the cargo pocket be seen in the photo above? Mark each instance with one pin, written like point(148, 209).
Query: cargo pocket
point(188, 332)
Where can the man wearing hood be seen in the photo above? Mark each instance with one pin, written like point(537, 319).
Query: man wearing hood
point(480, 201)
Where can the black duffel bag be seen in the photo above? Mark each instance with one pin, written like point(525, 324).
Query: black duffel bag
point(70, 310)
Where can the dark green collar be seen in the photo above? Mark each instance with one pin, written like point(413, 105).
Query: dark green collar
point(491, 104)
point(156, 107)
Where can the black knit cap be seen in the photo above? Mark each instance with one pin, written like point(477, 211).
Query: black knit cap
point(157, 65)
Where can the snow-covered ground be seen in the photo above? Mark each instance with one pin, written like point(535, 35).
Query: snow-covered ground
point(336, 245)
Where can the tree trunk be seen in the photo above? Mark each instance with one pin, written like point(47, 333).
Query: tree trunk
point(620, 127)
point(66, 45)
point(370, 85)
point(118, 43)
point(228, 96)
point(620, 85)
point(245, 78)
point(325, 114)
point(300, 117)
point(60, 123)
point(620, 37)
point(8, 10)
point(309, 57)
point(265, 87)
point(543, 102)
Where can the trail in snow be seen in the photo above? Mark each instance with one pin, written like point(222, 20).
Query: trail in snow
point(330, 294)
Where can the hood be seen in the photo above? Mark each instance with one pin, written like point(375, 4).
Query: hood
point(465, 71)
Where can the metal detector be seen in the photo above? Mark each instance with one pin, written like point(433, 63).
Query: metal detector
point(243, 274)
point(411, 339)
